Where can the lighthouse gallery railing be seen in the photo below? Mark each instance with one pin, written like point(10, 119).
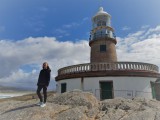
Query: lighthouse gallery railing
point(108, 66)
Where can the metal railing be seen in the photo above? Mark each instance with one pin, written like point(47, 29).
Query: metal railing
point(128, 94)
point(142, 93)
point(101, 35)
point(108, 66)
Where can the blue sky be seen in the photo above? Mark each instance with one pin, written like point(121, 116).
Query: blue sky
point(34, 31)
point(37, 18)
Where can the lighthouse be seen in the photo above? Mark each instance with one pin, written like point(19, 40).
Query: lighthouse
point(102, 38)
point(105, 76)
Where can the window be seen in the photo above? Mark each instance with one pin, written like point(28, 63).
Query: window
point(101, 23)
point(103, 48)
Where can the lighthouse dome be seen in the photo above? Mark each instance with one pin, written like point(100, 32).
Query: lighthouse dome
point(101, 12)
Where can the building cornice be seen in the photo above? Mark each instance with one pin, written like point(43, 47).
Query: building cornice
point(114, 69)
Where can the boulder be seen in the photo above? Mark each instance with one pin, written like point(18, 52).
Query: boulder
point(78, 105)
point(76, 98)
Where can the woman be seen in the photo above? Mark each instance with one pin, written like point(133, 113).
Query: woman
point(43, 82)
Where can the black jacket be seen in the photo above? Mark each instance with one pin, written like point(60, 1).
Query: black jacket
point(44, 77)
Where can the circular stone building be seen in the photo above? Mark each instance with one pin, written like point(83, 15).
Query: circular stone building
point(104, 76)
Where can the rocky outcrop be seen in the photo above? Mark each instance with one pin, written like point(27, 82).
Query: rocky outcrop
point(78, 105)
point(75, 98)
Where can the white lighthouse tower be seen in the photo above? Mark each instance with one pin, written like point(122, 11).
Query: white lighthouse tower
point(104, 76)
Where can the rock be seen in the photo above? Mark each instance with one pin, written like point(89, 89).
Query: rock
point(72, 114)
point(78, 105)
point(113, 114)
point(76, 98)
point(119, 103)
point(141, 115)
point(92, 113)
point(30, 111)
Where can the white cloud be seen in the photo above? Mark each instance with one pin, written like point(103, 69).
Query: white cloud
point(61, 33)
point(145, 26)
point(153, 32)
point(75, 24)
point(85, 18)
point(141, 46)
point(71, 25)
point(35, 23)
point(15, 54)
point(126, 28)
point(24, 80)
point(20, 78)
point(136, 34)
point(65, 30)
point(34, 51)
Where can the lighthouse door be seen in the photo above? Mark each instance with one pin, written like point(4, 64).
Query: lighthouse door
point(63, 87)
point(106, 90)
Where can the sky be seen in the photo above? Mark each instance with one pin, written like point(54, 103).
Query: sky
point(57, 31)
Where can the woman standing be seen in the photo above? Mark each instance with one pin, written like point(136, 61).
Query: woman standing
point(43, 82)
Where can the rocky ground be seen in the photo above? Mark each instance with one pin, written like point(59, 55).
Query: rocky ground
point(78, 105)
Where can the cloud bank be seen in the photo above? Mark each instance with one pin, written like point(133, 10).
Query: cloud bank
point(141, 46)
point(21, 60)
